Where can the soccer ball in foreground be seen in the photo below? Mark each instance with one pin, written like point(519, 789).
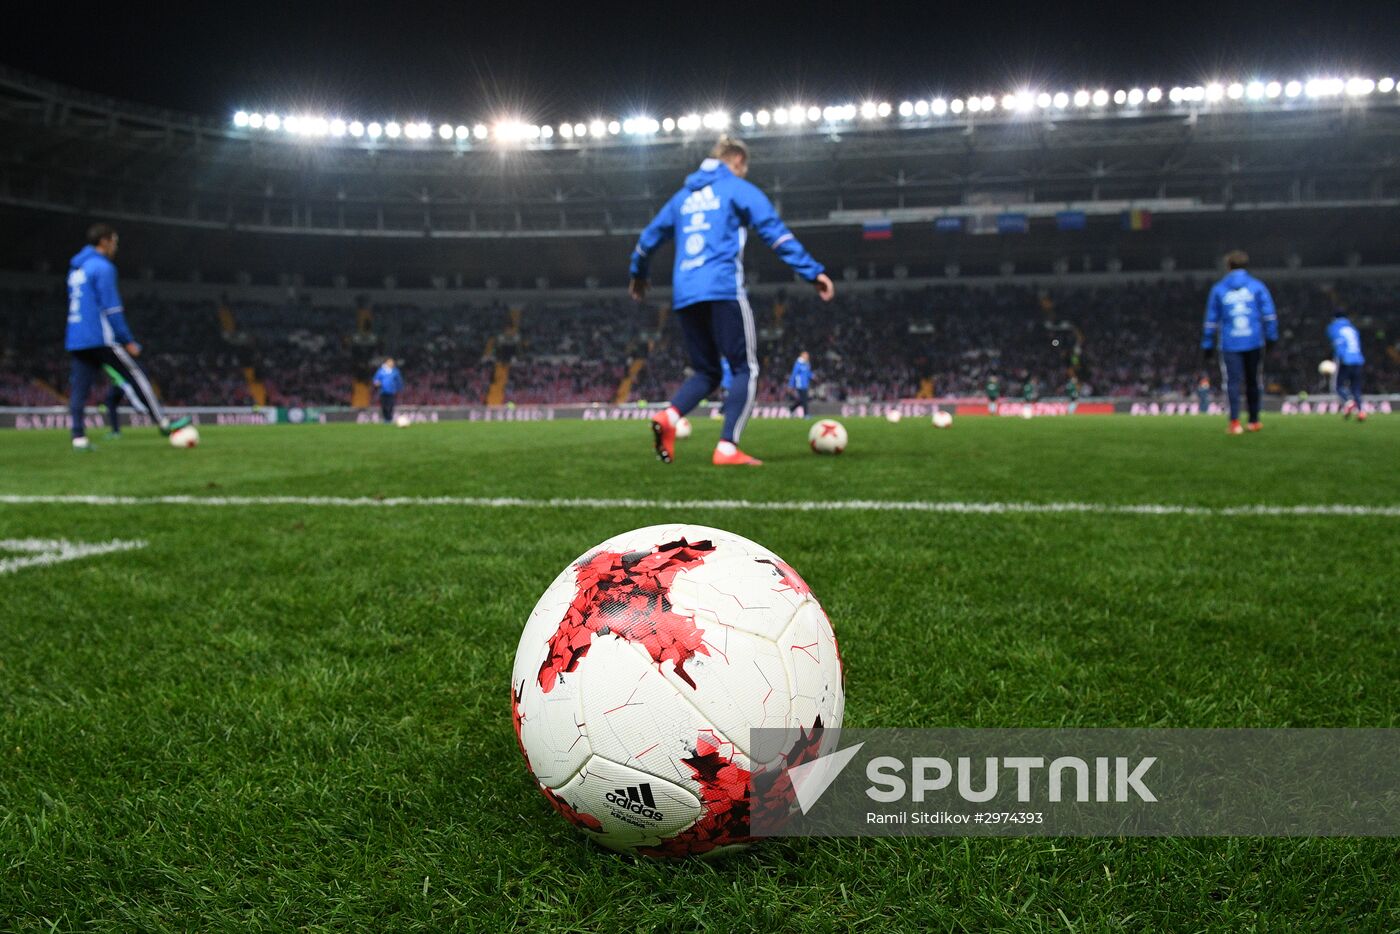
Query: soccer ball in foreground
point(942, 419)
point(187, 437)
point(683, 428)
point(402, 421)
point(641, 671)
point(1327, 367)
point(893, 416)
point(827, 436)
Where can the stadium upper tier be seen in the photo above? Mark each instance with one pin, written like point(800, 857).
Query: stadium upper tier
point(1121, 338)
point(1228, 147)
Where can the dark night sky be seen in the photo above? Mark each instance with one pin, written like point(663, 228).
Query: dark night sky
point(547, 62)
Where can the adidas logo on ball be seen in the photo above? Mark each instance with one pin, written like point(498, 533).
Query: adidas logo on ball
point(635, 798)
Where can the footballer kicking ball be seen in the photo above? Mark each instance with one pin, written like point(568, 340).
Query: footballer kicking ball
point(893, 416)
point(683, 428)
point(942, 419)
point(1327, 367)
point(186, 437)
point(642, 670)
point(402, 421)
point(827, 436)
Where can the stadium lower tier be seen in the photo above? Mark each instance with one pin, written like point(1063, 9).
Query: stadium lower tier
point(1128, 340)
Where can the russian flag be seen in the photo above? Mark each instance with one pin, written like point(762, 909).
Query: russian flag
point(877, 230)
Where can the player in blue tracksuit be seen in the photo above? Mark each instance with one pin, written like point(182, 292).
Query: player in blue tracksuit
point(709, 220)
point(97, 335)
point(389, 381)
point(1241, 322)
point(800, 382)
point(1346, 344)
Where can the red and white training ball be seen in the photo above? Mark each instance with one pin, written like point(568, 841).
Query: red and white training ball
point(942, 419)
point(683, 428)
point(827, 436)
point(187, 437)
point(642, 670)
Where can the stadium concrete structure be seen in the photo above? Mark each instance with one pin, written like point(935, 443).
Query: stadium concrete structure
point(1301, 174)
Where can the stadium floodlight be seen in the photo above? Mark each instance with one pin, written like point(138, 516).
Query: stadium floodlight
point(425, 130)
point(1008, 102)
point(292, 124)
point(547, 131)
point(906, 109)
point(1273, 89)
point(240, 119)
point(1214, 91)
point(1235, 91)
point(1120, 97)
point(1100, 97)
point(938, 106)
point(375, 131)
point(337, 127)
point(1154, 95)
point(445, 131)
point(255, 120)
point(1061, 100)
point(988, 102)
point(462, 132)
point(581, 130)
point(780, 116)
point(1176, 95)
point(1254, 90)
point(1043, 100)
point(614, 127)
point(1360, 87)
point(763, 117)
point(716, 120)
point(746, 119)
point(410, 131)
point(479, 131)
point(597, 128)
point(974, 104)
point(883, 109)
point(814, 114)
point(392, 130)
point(1293, 89)
point(956, 106)
point(566, 130)
point(273, 122)
point(921, 108)
point(1385, 85)
point(668, 124)
point(1135, 97)
point(357, 129)
point(868, 110)
point(1081, 98)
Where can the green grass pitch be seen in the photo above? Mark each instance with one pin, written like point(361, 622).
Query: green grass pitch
point(280, 718)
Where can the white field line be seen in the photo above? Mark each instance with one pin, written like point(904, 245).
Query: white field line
point(742, 505)
point(45, 551)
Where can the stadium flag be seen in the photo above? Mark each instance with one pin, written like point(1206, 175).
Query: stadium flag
point(1071, 220)
point(877, 230)
point(1013, 223)
point(1137, 219)
point(948, 224)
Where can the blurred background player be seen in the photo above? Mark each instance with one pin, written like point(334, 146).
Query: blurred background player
point(800, 382)
point(1203, 394)
point(709, 218)
point(1072, 392)
point(1030, 389)
point(1241, 322)
point(97, 335)
point(388, 380)
point(993, 394)
point(1346, 343)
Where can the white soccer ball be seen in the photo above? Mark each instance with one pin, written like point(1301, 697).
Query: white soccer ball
point(1327, 367)
point(942, 419)
point(187, 437)
point(1027, 411)
point(402, 421)
point(641, 671)
point(683, 428)
point(827, 436)
point(893, 416)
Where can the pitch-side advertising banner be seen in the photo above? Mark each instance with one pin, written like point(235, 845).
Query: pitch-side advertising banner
point(1076, 782)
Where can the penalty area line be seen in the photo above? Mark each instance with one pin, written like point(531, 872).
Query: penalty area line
point(744, 505)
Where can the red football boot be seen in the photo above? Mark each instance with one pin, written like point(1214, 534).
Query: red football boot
point(1235, 427)
point(663, 432)
point(737, 459)
point(1255, 426)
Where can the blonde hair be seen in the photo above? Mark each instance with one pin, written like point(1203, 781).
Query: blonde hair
point(728, 146)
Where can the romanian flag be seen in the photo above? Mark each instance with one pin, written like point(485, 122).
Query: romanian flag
point(877, 230)
point(1137, 219)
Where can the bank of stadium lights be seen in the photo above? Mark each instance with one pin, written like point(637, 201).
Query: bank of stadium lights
point(800, 116)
